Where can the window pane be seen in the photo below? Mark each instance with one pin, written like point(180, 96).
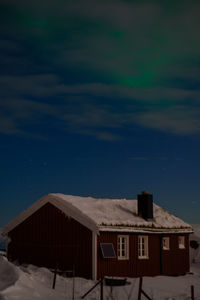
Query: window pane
point(143, 246)
point(165, 243)
point(181, 242)
point(122, 247)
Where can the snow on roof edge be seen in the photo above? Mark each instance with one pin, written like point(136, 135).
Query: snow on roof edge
point(122, 212)
point(72, 206)
point(55, 200)
point(138, 229)
point(74, 212)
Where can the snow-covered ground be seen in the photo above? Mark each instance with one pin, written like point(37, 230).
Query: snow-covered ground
point(33, 283)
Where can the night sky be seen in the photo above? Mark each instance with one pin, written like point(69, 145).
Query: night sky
point(100, 98)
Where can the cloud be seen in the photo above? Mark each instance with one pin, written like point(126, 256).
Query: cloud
point(8, 126)
point(16, 114)
point(130, 43)
point(138, 50)
point(179, 120)
point(29, 85)
point(97, 133)
point(134, 44)
point(28, 100)
point(49, 85)
point(99, 67)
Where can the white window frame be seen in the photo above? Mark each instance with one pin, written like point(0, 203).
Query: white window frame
point(166, 243)
point(143, 247)
point(181, 242)
point(123, 247)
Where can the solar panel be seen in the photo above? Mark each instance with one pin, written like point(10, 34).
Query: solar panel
point(107, 250)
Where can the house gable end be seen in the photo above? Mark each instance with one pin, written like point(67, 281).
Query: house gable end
point(66, 208)
point(48, 238)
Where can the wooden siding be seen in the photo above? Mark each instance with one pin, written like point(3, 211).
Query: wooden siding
point(172, 262)
point(48, 237)
point(176, 261)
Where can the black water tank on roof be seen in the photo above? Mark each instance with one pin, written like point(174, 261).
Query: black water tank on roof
point(145, 206)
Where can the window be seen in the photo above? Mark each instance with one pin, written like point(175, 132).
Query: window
point(165, 243)
point(123, 247)
point(181, 242)
point(143, 247)
point(107, 250)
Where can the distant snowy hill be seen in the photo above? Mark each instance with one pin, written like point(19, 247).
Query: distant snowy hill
point(196, 233)
point(195, 253)
point(2, 241)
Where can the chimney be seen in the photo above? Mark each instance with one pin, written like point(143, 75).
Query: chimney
point(145, 205)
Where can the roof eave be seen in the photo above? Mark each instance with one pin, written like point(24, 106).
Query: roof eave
point(134, 229)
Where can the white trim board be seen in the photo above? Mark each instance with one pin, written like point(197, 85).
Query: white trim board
point(94, 255)
point(138, 229)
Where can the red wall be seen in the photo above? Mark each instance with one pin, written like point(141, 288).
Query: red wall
point(48, 237)
point(176, 261)
point(172, 262)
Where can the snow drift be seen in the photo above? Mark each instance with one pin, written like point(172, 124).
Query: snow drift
point(8, 274)
point(33, 283)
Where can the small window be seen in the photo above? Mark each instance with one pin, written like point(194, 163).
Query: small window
point(123, 247)
point(165, 243)
point(107, 250)
point(181, 242)
point(143, 247)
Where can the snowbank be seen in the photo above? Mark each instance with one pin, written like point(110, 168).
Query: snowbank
point(33, 283)
point(8, 274)
point(30, 282)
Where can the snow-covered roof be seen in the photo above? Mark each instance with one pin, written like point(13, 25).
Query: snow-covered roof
point(119, 215)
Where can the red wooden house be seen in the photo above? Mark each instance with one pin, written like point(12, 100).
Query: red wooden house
point(100, 237)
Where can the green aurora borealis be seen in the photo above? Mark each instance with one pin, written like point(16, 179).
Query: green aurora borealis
point(142, 49)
